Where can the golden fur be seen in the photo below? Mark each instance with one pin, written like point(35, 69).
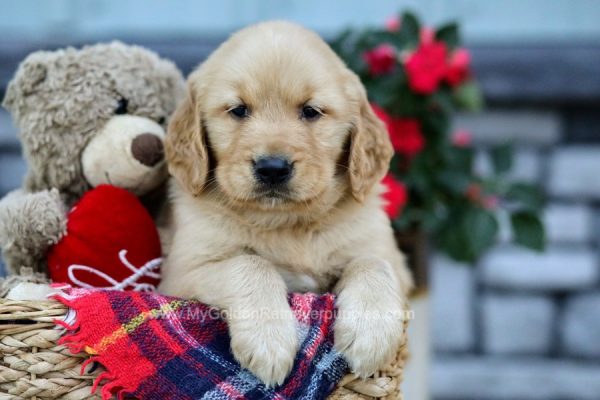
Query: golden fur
point(242, 251)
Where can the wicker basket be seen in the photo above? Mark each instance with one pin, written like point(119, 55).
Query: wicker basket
point(32, 365)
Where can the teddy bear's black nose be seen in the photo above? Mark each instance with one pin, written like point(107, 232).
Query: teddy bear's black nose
point(148, 149)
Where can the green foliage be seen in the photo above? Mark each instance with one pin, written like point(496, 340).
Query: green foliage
point(528, 230)
point(410, 29)
point(447, 198)
point(468, 233)
point(449, 34)
point(502, 158)
point(527, 196)
point(468, 97)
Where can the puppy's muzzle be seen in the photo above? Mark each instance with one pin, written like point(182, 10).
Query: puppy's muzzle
point(272, 171)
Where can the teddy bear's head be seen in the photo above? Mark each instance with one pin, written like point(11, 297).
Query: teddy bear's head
point(92, 116)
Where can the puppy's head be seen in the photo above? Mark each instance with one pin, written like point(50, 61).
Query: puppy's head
point(275, 120)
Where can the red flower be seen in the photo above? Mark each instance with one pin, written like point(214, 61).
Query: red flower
point(461, 138)
point(392, 24)
point(382, 115)
point(405, 133)
point(473, 192)
point(426, 35)
point(406, 136)
point(381, 60)
point(458, 67)
point(490, 202)
point(395, 196)
point(426, 67)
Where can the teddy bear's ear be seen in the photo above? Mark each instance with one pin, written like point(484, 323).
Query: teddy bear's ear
point(31, 73)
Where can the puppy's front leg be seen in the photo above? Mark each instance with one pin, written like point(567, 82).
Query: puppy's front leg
point(261, 323)
point(369, 325)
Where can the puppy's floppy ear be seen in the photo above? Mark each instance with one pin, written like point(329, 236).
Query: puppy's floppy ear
point(370, 150)
point(185, 145)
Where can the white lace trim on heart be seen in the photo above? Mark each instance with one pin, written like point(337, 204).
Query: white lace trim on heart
point(147, 270)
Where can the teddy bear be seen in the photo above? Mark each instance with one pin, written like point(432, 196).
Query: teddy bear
point(86, 117)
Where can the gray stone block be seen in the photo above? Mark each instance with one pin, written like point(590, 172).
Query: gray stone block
point(557, 269)
point(517, 324)
point(568, 223)
point(488, 378)
point(8, 133)
point(564, 223)
point(574, 173)
point(452, 311)
point(12, 170)
point(580, 325)
point(539, 128)
point(527, 165)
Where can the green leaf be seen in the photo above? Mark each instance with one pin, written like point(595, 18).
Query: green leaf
point(482, 228)
point(468, 234)
point(468, 96)
point(449, 34)
point(528, 230)
point(407, 103)
point(502, 158)
point(378, 37)
point(453, 242)
point(441, 101)
point(435, 123)
point(409, 29)
point(528, 196)
point(461, 158)
point(455, 181)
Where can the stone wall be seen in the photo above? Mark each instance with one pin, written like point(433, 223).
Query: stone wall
point(520, 324)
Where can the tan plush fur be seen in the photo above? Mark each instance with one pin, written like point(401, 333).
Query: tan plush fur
point(64, 105)
point(241, 251)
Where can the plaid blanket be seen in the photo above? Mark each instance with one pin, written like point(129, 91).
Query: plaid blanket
point(158, 347)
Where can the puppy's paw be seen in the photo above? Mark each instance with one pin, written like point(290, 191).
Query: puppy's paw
point(266, 347)
point(368, 339)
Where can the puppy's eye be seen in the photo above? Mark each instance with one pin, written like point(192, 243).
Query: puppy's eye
point(122, 106)
point(310, 113)
point(161, 120)
point(240, 111)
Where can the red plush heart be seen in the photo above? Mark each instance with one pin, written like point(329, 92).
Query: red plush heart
point(111, 242)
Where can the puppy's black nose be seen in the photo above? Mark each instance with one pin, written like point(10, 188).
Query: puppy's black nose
point(273, 170)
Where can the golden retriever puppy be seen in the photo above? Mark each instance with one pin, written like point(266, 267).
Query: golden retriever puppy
point(276, 157)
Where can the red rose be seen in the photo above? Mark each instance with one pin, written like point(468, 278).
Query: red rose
point(395, 196)
point(405, 133)
point(426, 67)
point(392, 24)
point(381, 60)
point(426, 35)
point(382, 115)
point(461, 138)
point(490, 202)
point(406, 136)
point(473, 192)
point(458, 70)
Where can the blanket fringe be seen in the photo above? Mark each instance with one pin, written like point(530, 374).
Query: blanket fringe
point(76, 341)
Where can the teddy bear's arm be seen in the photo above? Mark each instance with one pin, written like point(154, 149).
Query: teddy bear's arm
point(29, 224)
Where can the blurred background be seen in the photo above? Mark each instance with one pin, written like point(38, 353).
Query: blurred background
point(518, 324)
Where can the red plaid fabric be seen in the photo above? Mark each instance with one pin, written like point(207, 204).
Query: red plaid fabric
point(158, 347)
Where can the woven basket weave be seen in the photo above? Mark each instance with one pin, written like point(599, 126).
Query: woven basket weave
point(32, 365)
